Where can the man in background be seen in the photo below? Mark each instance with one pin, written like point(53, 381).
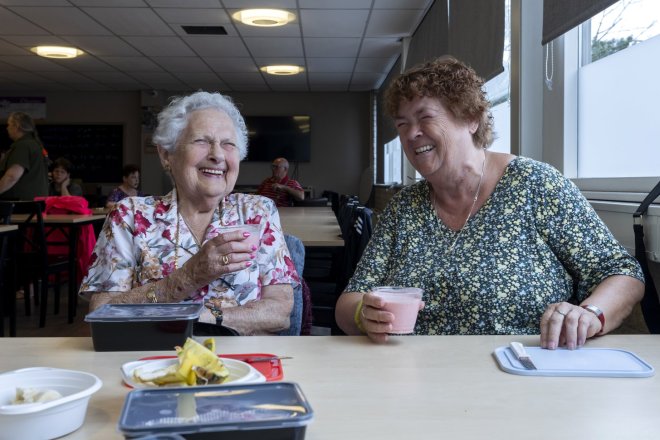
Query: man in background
point(23, 168)
point(279, 186)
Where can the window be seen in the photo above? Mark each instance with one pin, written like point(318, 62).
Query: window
point(618, 91)
point(498, 90)
point(392, 161)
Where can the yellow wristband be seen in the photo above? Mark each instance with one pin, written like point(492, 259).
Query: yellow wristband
point(358, 318)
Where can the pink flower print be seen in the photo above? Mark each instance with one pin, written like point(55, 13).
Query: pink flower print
point(167, 269)
point(167, 235)
point(254, 220)
point(141, 224)
point(161, 208)
point(291, 268)
point(268, 238)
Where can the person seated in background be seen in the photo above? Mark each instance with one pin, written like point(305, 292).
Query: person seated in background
point(61, 184)
point(279, 186)
point(499, 244)
point(128, 188)
point(23, 168)
point(172, 248)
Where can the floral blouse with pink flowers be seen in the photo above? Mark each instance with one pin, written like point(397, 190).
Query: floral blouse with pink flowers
point(145, 239)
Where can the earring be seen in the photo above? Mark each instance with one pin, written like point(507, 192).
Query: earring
point(167, 168)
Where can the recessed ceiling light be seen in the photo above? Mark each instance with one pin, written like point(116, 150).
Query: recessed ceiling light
point(57, 51)
point(282, 70)
point(264, 17)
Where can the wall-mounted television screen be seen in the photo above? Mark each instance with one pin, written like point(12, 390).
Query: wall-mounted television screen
point(271, 137)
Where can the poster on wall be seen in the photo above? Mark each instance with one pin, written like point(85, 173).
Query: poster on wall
point(32, 105)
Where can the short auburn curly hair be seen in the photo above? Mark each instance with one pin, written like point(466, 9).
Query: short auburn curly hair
point(455, 84)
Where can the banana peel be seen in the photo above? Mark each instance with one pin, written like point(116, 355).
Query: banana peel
point(197, 364)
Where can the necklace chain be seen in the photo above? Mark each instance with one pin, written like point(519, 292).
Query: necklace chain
point(474, 202)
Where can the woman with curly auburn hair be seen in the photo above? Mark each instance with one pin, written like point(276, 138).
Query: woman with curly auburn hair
point(178, 248)
point(499, 244)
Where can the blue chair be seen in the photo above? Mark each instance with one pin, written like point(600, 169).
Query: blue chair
point(297, 251)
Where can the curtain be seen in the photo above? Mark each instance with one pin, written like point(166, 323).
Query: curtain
point(476, 34)
point(560, 16)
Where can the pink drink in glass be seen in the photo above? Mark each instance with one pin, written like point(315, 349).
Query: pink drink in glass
point(403, 303)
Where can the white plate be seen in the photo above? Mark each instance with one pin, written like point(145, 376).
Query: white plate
point(239, 372)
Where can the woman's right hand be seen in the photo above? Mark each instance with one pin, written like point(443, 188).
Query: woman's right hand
point(226, 253)
point(376, 322)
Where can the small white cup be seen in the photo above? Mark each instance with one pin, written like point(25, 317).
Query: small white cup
point(403, 303)
point(253, 229)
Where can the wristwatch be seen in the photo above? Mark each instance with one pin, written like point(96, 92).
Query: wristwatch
point(599, 314)
point(151, 293)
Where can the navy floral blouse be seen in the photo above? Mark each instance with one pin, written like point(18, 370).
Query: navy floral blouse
point(535, 241)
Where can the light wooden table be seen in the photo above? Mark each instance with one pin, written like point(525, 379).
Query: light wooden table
point(315, 226)
point(417, 387)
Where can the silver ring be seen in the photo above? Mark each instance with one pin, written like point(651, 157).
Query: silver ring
point(562, 314)
point(225, 259)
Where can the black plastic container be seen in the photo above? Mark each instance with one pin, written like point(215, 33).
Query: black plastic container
point(272, 410)
point(145, 327)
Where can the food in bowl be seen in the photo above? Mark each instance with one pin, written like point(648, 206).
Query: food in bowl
point(197, 364)
point(34, 395)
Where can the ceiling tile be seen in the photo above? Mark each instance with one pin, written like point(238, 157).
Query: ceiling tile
point(231, 64)
point(28, 41)
point(333, 47)
point(66, 77)
point(329, 78)
point(333, 23)
point(366, 78)
point(274, 47)
point(160, 46)
point(380, 47)
point(398, 4)
point(63, 21)
point(34, 3)
point(249, 87)
point(92, 87)
point(183, 4)
point(12, 24)
point(217, 46)
point(182, 64)
point(130, 21)
point(330, 64)
point(10, 49)
point(114, 78)
point(154, 77)
point(290, 30)
point(268, 61)
point(31, 62)
point(242, 78)
point(4, 67)
point(378, 65)
point(133, 64)
point(102, 46)
point(335, 4)
point(24, 77)
point(85, 63)
point(193, 16)
point(328, 87)
point(387, 23)
point(245, 4)
point(113, 3)
point(192, 78)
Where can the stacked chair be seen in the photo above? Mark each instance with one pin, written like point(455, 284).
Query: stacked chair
point(327, 271)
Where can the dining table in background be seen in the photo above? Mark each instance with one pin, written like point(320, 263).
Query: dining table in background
point(419, 387)
point(315, 226)
point(72, 222)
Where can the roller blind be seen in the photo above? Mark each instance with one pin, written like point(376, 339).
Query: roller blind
point(430, 39)
point(476, 34)
point(560, 16)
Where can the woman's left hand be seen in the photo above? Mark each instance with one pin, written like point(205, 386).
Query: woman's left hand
point(565, 324)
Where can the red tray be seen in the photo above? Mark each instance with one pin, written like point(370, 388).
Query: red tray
point(271, 369)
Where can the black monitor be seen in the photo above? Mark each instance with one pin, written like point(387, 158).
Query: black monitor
point(271, 137)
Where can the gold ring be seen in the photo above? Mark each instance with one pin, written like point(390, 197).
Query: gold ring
point(225, 260)
point(562, 314)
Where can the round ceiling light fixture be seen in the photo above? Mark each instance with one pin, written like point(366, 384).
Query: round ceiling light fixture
point(264, 17)
point(282, 70)
point(60, 52)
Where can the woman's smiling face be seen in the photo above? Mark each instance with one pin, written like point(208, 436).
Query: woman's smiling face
point(205, 162)
point(431, 136)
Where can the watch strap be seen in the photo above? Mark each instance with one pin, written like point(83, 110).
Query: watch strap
point(599, 314)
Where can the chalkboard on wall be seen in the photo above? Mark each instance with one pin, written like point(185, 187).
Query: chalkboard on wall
point(96, 151)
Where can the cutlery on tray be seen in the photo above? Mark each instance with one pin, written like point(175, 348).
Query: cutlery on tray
point(522, 355)
point(250, 359)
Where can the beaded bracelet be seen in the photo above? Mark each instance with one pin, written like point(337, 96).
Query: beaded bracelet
point(358, 318)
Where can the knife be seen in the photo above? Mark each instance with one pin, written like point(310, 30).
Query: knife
point(522, 355)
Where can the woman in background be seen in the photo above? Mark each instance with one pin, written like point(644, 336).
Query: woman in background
point(129, 187)
point(61, 184)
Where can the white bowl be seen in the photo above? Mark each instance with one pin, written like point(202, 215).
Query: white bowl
point(45, 420)
point(239, 372)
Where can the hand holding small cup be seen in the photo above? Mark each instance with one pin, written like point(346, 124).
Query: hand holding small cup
point(390, 310)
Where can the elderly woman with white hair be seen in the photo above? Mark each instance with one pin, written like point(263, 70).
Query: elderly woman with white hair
point(173, 249)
